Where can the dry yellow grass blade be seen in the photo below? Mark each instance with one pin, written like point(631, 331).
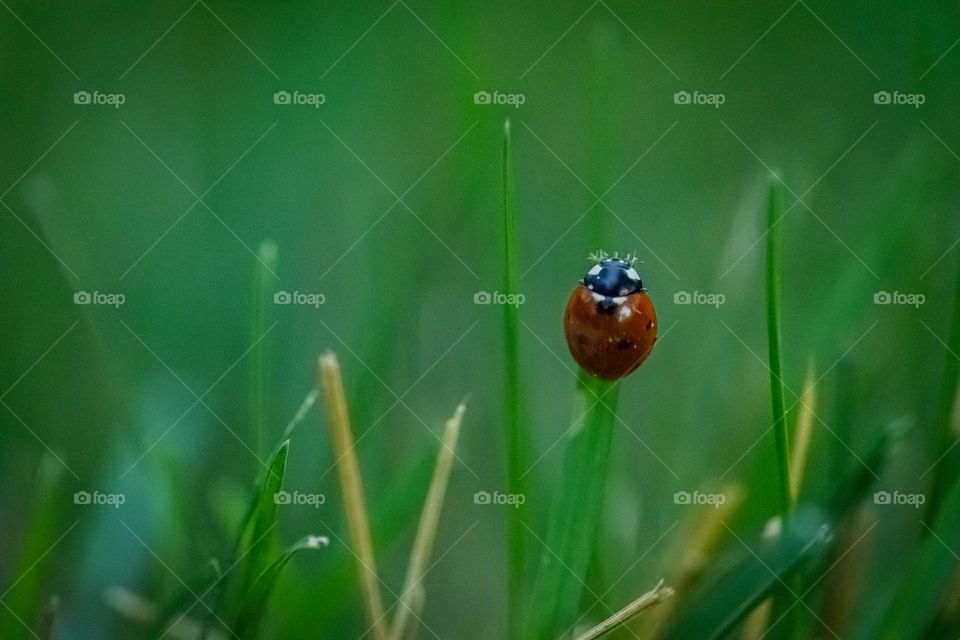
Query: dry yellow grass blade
point(656, 595)
point(351, 485)
point(801, 437)
point(413, 595)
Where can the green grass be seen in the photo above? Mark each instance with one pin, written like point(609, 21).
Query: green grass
point(259, 374)
point(517, 431)
point(369, 202)
point(575, 513)
point(775, 344)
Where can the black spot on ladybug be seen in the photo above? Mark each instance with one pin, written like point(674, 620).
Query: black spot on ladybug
point(582, 339)
point(649, 324)
point(624, 344)
point(606, 306)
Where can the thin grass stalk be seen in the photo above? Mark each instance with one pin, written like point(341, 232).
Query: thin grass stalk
point(518, 459)
point(775, 339)
point(351, 484)
point(621, 618)
point(261, 315)
point(802, 434)
point(413, 595)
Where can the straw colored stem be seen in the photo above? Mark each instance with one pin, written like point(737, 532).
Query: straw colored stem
point(656, 595)
point(804, 429)
point(352, 486)
point(413, 595)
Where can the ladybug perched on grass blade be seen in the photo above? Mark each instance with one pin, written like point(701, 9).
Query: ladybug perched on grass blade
point(610, 322)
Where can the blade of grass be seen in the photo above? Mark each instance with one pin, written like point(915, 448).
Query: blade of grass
point(393, 505)
point(621, 618)
point(804, 429)
point(413, 595)
point(258, 533)
point(308, 402)
point(255, 603)
point(775, 339)
point(724, 602)
point(518, 459)
point(351, 484)
point(576, 510)
point(261, 314)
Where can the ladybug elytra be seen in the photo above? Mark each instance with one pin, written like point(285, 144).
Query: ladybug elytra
point(610, 322)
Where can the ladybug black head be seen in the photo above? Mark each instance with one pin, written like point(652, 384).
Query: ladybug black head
point(613, 277)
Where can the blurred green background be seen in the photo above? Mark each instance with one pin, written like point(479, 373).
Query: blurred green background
point(105, 199)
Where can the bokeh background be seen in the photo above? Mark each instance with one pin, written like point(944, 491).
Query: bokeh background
point(387, 200)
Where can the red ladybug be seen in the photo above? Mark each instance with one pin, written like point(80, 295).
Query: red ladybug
point(610, 322)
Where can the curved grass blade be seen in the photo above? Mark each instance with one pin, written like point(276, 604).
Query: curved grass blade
point(258, 533)
point(724, 602)
point(255, 602)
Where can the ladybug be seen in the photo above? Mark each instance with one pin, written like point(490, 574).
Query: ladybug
point(610, 322)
